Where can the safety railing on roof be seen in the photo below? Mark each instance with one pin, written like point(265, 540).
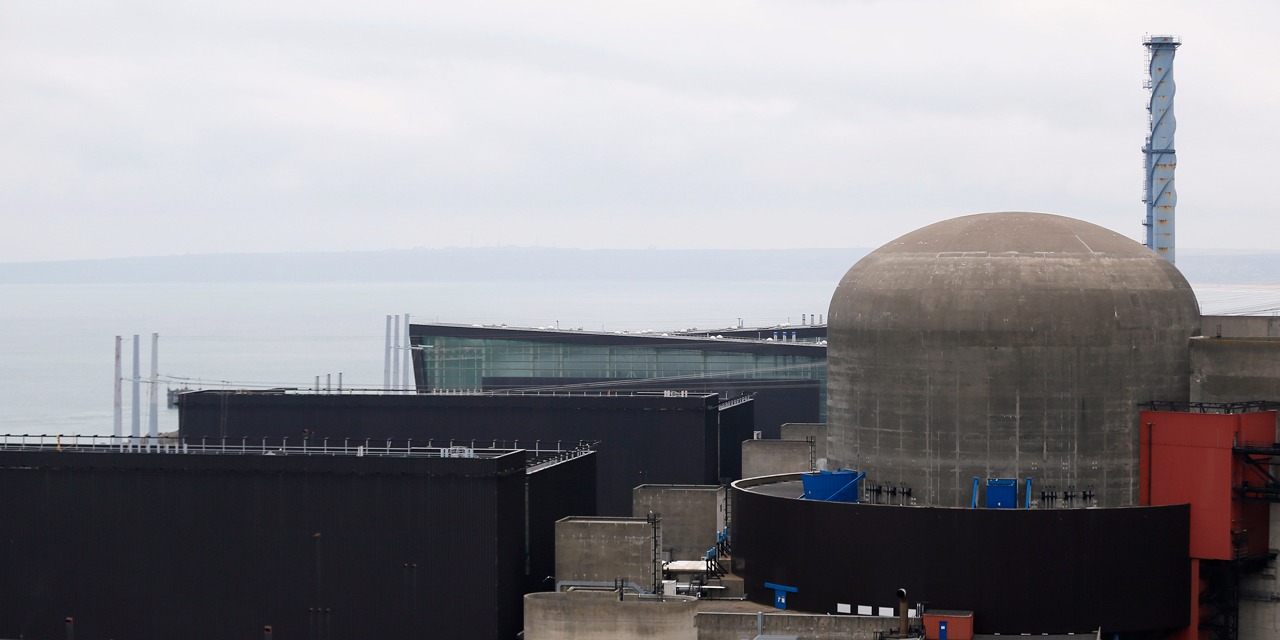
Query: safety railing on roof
point(538, 450)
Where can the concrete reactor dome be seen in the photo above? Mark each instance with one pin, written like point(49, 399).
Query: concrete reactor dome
point(1005, 345)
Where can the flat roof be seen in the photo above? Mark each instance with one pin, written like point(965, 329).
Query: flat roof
point(604, 519)
point(548, 455)
point(655, 339)
point(681, 487)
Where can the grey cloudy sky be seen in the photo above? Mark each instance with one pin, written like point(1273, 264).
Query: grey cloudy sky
point(172, 127)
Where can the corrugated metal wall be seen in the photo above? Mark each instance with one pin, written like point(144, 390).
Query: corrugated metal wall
point(777, 400)
point(1019, 571)
point(737, 423)
point(567, 489)
point(168, 546)
point(642, 439)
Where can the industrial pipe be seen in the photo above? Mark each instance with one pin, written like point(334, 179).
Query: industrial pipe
point(386, 359)
point(118, 420)
point(902, 613)
point(135, 420)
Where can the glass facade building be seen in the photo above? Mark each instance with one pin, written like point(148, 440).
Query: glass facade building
point(457, 357)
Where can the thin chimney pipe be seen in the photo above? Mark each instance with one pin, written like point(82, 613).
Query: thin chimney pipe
point(386, 360)
point(118, 417)
point(136, 418)
point(153, 423)
point(395, 359)
point(408, 356)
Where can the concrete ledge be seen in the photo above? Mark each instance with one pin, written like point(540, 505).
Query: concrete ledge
point(605, 615)
point(733, 626)
point(768, 457)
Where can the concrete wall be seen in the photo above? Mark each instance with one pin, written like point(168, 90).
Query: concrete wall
point(1235, 370)
point(803, 430)
point(734, 626)
point(770, 457)
point(1260, 595)
point(1239, 370)
point(1244, 365)
point(1240, 326)
point(692, 515)
point(1259, 618)
point(601, 550)
point(587, 615)
point(1005, 345)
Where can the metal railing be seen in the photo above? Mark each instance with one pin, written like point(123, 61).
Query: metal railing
point(1210, 407)
point(538, 450)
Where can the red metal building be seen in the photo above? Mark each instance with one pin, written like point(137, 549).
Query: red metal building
point(1216, 458)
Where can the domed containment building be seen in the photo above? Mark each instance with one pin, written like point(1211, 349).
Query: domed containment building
point(1004, 345)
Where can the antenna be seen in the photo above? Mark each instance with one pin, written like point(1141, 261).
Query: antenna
point(1159, 154)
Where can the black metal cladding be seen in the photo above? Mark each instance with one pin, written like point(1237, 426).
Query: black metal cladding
point(736, 424)
point(643, 439)
point(777, 400)
point(1019, 571)
point(568, 491)
point(141, 546)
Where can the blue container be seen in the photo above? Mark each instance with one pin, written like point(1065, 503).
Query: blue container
point(1002, 493)
point(833, 486)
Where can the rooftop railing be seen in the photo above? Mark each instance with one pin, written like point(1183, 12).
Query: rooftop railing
point(538, 450)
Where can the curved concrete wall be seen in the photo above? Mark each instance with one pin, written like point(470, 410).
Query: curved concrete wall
point(1020, 571)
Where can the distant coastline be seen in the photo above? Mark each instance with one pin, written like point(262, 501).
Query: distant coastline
point(533, 264)
point(504, 264)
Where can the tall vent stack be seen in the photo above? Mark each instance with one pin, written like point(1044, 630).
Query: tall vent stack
point(1160, 158)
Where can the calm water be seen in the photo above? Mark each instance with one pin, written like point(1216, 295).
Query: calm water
point(57, 341)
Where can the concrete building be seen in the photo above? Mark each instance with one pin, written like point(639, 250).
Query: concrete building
point(599, 552)
point(1239, 369)
point(769, 457)
point(1004, 345)
point(720, 625)
point(809, 431)
point(1018, 347)
point(607, 615)
point(693, 516)
point(1241, 326)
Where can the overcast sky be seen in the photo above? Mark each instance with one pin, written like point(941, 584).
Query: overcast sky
point(171, 127)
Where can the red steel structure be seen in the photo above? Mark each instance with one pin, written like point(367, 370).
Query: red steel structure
point(1216, 458)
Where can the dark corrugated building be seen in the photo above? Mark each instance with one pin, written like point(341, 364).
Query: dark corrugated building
point(641, 438)
point(222, 542)
point(1037, 571)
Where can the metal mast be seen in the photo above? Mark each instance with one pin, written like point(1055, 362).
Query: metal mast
point(1160, 158)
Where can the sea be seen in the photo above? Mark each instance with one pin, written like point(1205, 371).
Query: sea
point(57, 341)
